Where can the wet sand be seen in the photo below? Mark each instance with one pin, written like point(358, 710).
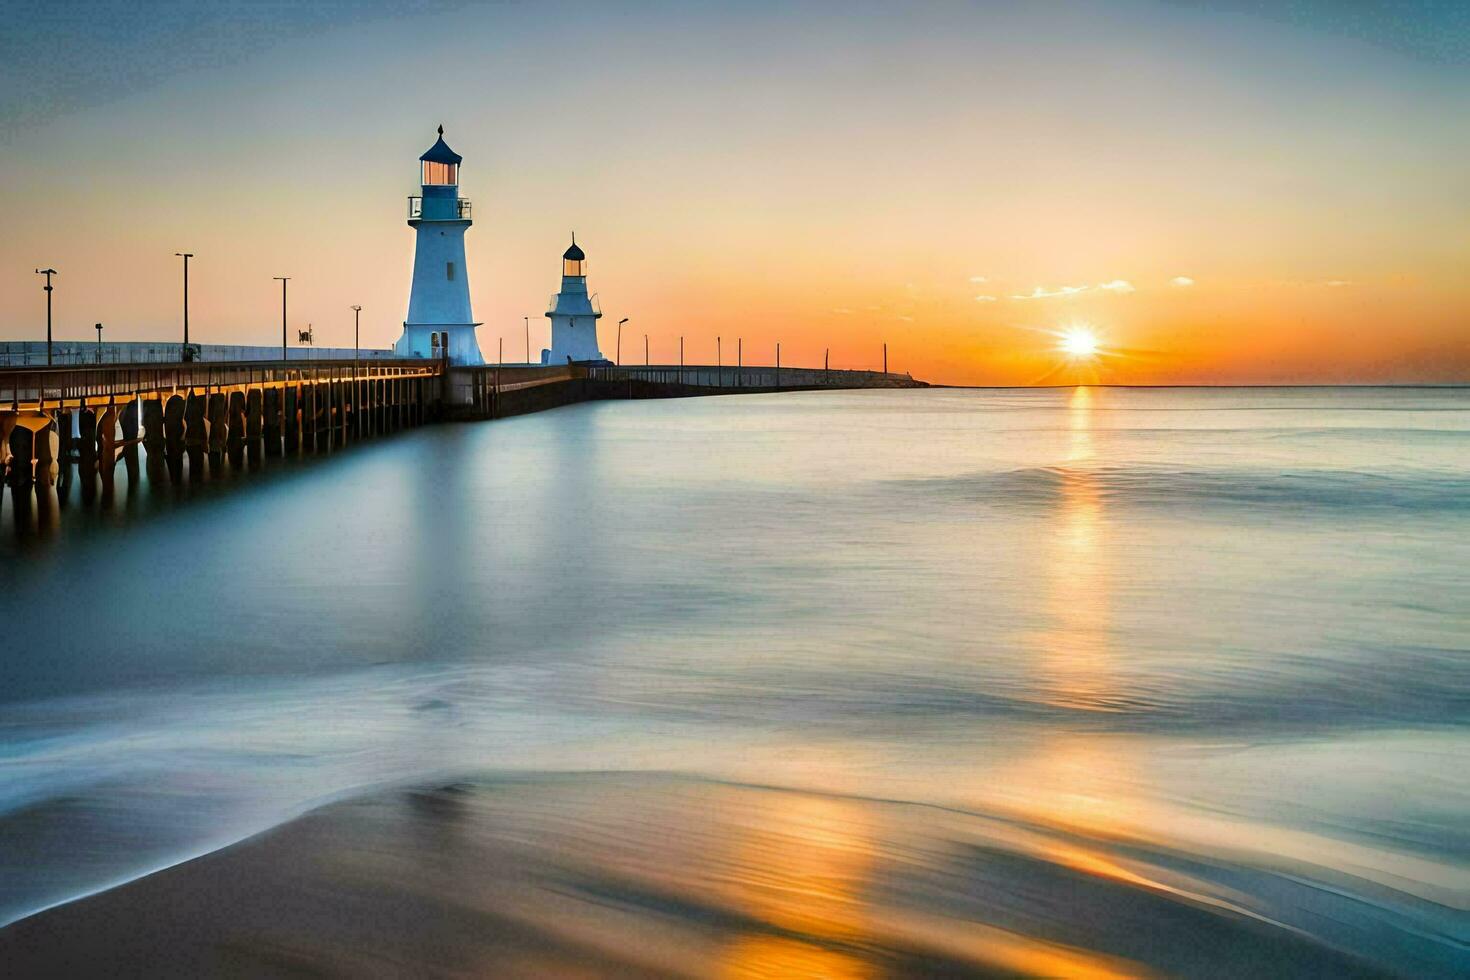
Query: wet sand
point(619, 875)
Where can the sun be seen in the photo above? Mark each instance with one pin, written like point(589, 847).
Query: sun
point(1079, 342)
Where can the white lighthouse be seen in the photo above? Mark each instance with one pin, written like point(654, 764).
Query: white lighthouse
point(439, 318)
point(573, 314)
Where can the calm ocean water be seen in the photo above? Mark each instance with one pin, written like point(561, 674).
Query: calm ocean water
point(1210, 644)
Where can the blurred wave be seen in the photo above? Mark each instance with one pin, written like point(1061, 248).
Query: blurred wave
point(1140, 485)
point(659, 875)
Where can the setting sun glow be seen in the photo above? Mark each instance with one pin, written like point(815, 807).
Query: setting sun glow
point(1079, 342)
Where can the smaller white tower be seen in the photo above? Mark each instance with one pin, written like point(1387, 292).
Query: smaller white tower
point(573, 314)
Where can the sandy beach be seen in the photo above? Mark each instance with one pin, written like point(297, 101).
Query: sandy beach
point(618, 875)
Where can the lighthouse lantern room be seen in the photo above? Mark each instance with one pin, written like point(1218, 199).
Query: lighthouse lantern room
point(439, 322)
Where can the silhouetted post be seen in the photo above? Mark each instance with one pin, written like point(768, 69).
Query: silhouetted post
point(528, 338)
point(48, 273)
point(885, 358)
point(86, 448)
point(739, 360)
point(271, 421)
point(283, 314)
point(681, 359)
point(217, 415)
point(719, 365)
point(186, 256)
point(618, 354)
point(99, 343)
point(778, 364)
point(645, 350)
point(107, 449)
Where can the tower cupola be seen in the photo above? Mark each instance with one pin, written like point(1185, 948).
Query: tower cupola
point(440, 164)
point(574, 261)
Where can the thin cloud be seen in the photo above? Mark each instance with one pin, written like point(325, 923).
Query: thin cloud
point(985, 299)
point(1183, 282)
point(978, 279)
point(1041, 292)
point(1313, 283)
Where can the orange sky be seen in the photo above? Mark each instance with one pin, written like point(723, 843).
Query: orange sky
point(787, 174)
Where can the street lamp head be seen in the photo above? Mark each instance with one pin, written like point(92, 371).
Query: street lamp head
point(622, 321)
point(356, 308)
point(185, 255)
point(46, 272)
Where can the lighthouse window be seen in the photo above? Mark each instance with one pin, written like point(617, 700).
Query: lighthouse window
point(440, 173)
point(449, 271)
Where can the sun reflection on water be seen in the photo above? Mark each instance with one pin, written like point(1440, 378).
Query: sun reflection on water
point(1073, 654)
point(1075, 778)
point(800, 865)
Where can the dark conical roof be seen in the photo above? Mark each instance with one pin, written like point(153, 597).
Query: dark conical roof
point(440, 152)
point(574, 253)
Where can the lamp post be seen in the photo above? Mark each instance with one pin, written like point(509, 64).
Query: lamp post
point(283, 280)
point(48, 273)
point(618, 357)
point(186, 256)
point(739, 360)
point(645, 350)
point(356, 342)
point(99, 343)
point(528, 339)
point(681, 359)
point(719, 365)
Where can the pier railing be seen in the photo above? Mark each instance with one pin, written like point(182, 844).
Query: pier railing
point(462, 207)
point(749, 376)
point(33, 388)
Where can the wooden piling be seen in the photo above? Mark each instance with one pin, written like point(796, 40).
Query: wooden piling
point(107, 450)
point(292, 416)
point(238, 423)
point(270, 401)
point(47, 448)
point(22, 442)
point(63, 433)
point(196, 423)
point(217, 414)
point(86, 447)
point(129, 425)
point(196, 433)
